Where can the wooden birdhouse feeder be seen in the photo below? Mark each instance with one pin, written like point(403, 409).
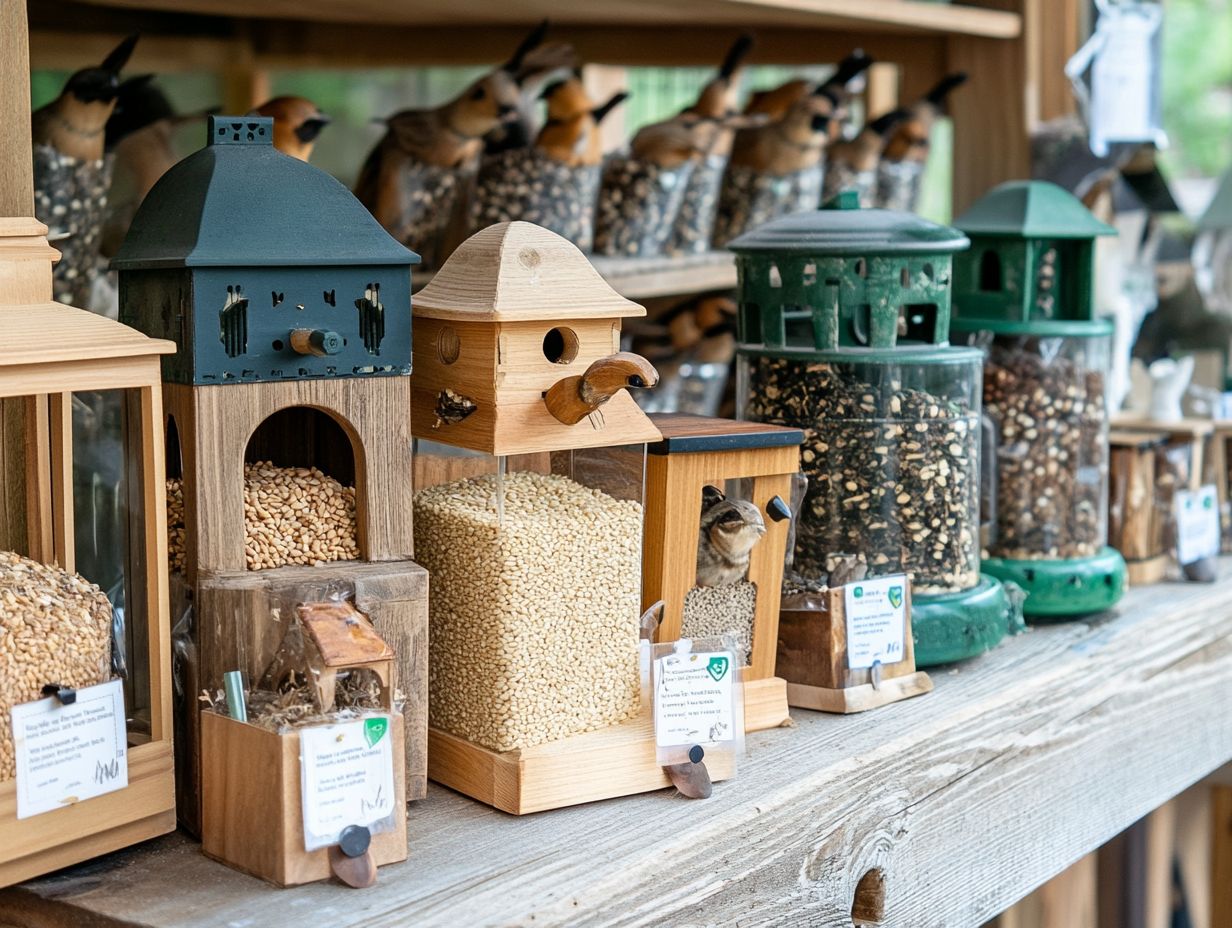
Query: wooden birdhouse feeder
point(290, 309)
point(53, 355)
point(536, 559)
point(733, 479)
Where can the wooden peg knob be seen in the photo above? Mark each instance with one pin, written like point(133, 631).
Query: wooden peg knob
point(319, 342)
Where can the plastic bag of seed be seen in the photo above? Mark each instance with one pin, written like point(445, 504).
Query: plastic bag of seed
point(70, 196)
point(694, 225)
point(525, 184)
point(898, 185)
point(750, 199)
point(434, 199)
point(638, 205)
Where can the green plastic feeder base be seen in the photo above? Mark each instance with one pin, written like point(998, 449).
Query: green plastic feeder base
point(954, 626)
point(1064, 588)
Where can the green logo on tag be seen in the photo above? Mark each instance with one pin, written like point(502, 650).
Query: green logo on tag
point(374, 730)
point(717, 668)
point(1207, 502)
point(858, 592)
point(896, 596)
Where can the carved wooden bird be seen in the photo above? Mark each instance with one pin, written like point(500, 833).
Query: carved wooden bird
point(448, 136)
point(572, 399)
point(909, 142)
point(776, 101)
point(847, 160)
point(74, 122)
point(297, 123)
point(730, 529)
point(571, 133)
point(787, 145)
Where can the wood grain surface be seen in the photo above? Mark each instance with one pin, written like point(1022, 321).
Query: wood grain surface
point(1018, 764)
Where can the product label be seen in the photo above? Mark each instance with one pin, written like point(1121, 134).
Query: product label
point(67, 754)
point(876, 621)
point(694, 699)
point(1197, 524)
point(346, 778)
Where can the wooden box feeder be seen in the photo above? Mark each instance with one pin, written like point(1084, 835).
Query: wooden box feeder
point(813, 658)
point(252, 811)
point(747, 461)
point(289, 305)
point(1025, 289)
point(51, 354)
point(537, 562)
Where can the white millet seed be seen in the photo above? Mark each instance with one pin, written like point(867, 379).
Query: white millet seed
point(533, 624)
point(711, 611)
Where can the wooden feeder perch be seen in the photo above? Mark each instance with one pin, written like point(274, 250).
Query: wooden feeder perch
point(282, 294)
point(52, 351)
point(813, 658)
point(697, 452)
point(343, 639)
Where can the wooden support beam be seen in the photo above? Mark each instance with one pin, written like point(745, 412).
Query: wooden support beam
point(16, 165)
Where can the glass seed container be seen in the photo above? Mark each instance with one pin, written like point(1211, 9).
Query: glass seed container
point(844, 320)
point(1023, 293)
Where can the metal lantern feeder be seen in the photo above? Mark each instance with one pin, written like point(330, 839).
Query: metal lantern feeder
point(843, 327)
point(290, 308)
point(1024, 293)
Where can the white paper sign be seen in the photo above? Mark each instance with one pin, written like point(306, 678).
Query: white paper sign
point(346, 778)
point(876, 619)
point(67, 754)
point(1197, 524)
point(693, 699)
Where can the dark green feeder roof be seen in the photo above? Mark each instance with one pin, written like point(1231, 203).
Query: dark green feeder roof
point(239, 202)
point(1031, 209)
point(842, 228)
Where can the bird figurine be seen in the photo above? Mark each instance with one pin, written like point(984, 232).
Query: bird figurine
point(414, 179)
point(540, 66)
point(74, 123)
point(852, 164)
point(791, 144)
point(573, 399)
point(570, 135)
point(902, 160)
point(775, 102)
point(297, 123)
point(730, 528)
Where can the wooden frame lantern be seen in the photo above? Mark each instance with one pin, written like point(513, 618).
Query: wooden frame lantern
point(290, 308)
point(51, 354)
point(747, 460)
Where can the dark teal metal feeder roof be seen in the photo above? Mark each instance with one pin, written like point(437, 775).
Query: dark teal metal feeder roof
point(1031, 209)
point(239, 202)
point(842, 228)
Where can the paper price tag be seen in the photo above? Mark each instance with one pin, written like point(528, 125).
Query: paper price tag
point(67, 754)
point(876, 620)
point(1197, 524)
point(346, 778)
point(693, 699)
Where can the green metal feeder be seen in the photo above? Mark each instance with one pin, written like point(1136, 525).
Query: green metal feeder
point(1023, 292)
point(844, 324)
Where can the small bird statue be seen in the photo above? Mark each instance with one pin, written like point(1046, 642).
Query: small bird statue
point(542, 65)
point(572, 399)
point(910, 139)
point(730, 528)
point(571, 133)
point(297, 123)
point(836, 88)
point(74, 122)
point(788, 145)
point(852, 165)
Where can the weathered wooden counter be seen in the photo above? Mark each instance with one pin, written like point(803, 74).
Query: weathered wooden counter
point(1018, 764)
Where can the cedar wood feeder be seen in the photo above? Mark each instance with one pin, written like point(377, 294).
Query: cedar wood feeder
point(51, 351)
point(536, 557)
point(747, 461)
point(282, 294)
point(843, 331)
point(1024, 293)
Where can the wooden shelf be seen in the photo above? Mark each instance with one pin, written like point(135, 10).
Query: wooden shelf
point(647, 278)
point(1020, 762)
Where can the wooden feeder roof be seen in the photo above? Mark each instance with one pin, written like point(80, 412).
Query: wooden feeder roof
point(239, 202)
point(519, 272)
point(1031, 209)
point(343, 635)
point(53, 333)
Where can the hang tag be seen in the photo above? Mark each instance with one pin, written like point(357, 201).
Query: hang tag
point(694, 701)
point(1122, 57)
point(1197, 524)
point(66, 754)
point(876, 613)
point(346, 779)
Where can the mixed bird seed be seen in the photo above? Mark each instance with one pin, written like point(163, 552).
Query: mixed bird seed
point(893, 472)
point(525, 184)
point(694, 225)
point(432, 198)
point(1052, 457)
point(711, 611)
point(55, 627)
point(533, 620)
point(292, 515)
point(638, 205)
point(840, 176)
point(898, 185)
point(750, 199)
